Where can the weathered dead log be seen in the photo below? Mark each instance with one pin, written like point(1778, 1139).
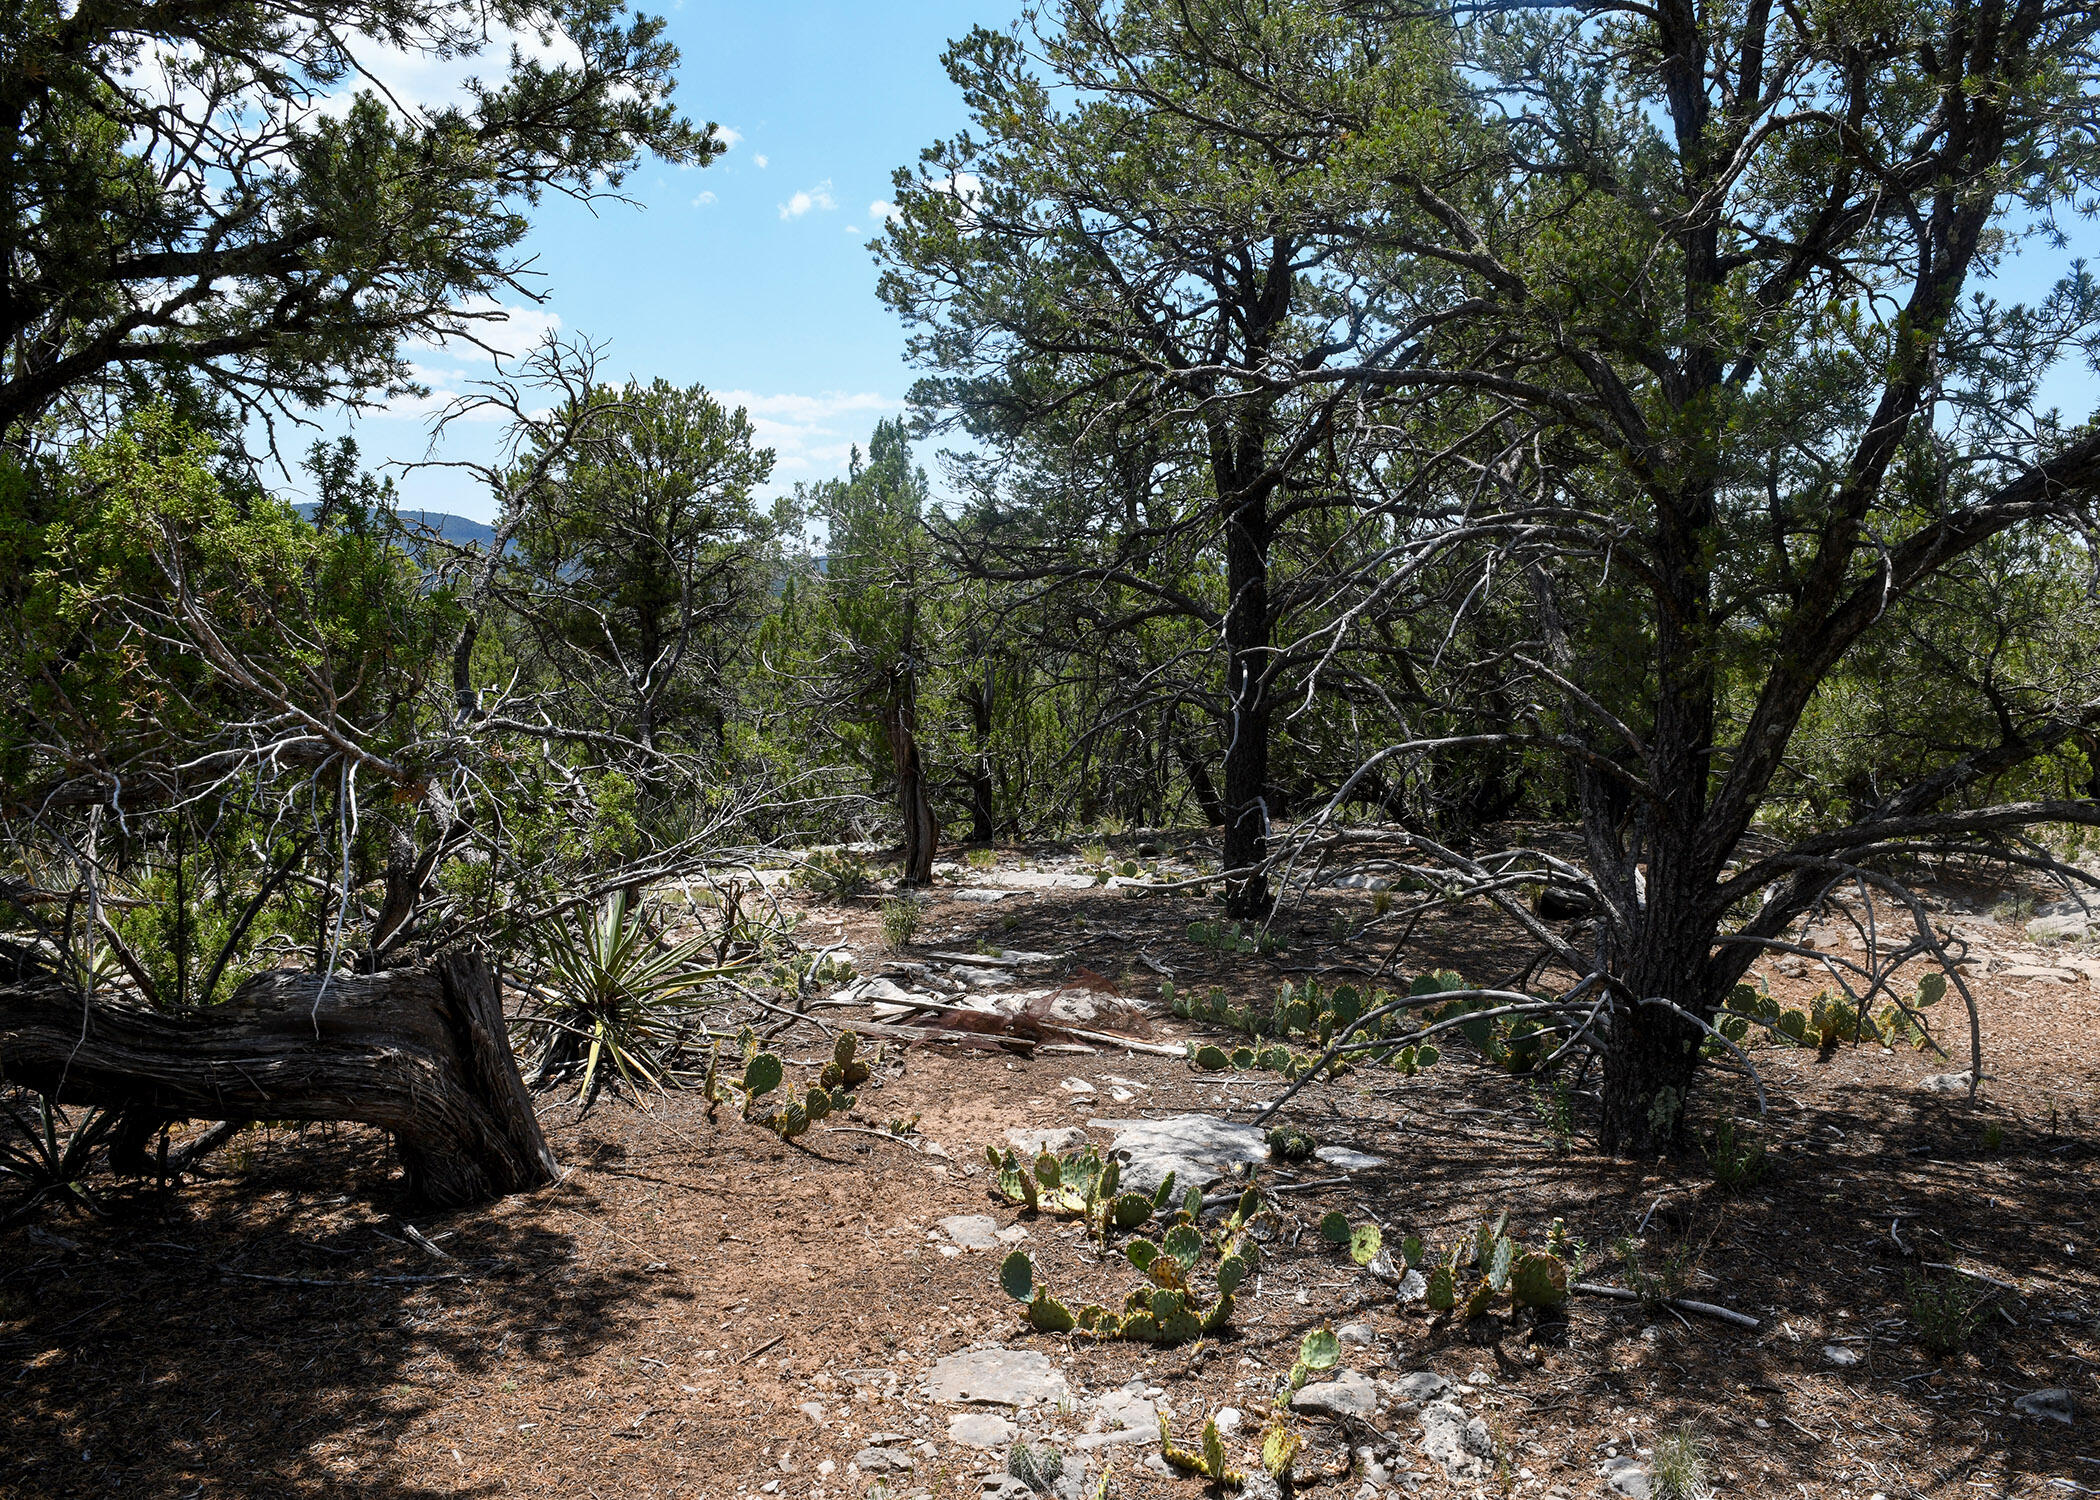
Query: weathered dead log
point(422, 1054)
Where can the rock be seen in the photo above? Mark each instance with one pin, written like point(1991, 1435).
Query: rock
point(882, 1461)
point(2054, 1404)
point(1197, 1149)
point(1422, 1385)
point(1842, 1357)
point(1945, 1083)
point(972, 1231)
point(1460, 1445)
point(1005, 1487)
point(1347, 1395)
point(979, 893)
point(981, 979)
point(2071, 927)
point(1075, 1085)
point(1347, 1160)
point(1033, 1143)
point(1413, 1287)
point(1228, 1419)
point(2041, 971)
point(1627, 1477)
point(1357, 1333)
point(1125, 1407)
point(980, 1429)
point(998, 1377)
point(1012, 1234)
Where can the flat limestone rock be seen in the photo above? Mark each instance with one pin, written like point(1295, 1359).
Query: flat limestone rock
point(1421, 1385)
point(972, 1231)
point(1945, 1083)
point(1126, 1407)
point(996, 1377)
point(882, 1461)
point(1347, 1160)
point(1197, 1149)
point(2055, 1404)
point(980, 1429)
point(1349, 1394)
point(1033, 1143)
point(1627, 1477)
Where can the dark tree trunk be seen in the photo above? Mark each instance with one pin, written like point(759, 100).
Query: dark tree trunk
point(422, 1054)
point(922, 831)
point(1200, 785)
point(1247, 717)
point(980, 773)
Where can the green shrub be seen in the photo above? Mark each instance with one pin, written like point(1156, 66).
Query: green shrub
point(1946, 1310)
point(900, 920)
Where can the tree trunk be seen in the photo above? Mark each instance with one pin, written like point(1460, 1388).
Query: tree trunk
point(1247, 721)
point(922, 831)
point(980, 774)
point(1200, 785)
point(422, 1054)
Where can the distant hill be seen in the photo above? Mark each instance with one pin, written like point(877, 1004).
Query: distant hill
point(457, 530)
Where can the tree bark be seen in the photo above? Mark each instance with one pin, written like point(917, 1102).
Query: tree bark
point(422, 1054)
point(982, 829)
point(922, 830)
point(1247, 717)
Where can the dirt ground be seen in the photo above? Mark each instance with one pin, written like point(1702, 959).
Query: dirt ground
point(700, 1309)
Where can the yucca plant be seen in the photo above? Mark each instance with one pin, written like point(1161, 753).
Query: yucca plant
point(617, 1001)
point(48, 1152)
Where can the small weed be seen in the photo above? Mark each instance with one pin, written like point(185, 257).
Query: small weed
point(1339, 928)
point(1381, 903)
point(1655, 1280)
point(1947, 1310)
point(982, 859)
point(1994, 1136)
point(1677, 1469)
point(900, 920)
point(1094, 854)
point(1737, 1160)
point(1554, 1104)
point(2013, 908)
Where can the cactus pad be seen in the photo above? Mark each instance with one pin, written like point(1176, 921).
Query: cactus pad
point(1130, 1210)
point(1184, 1244)
point(1319, 1350)
point(1017, 1275)
point(762, 1074)
point(1182, 1326)
point(1220, 1310)
point(1365, 1242)
point(1048, 1315)
point(1211, 1059)
point(1539, 1281)
point(1442, 1293)
point(1141, 1253)
point(1232, 1272)
point(1334, 1228)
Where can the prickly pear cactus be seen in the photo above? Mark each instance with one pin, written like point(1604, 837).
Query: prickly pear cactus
point(1365, 1241)
point(1210, 1058)
point(762, 1075)
point(1289, 1143)
point(1442, 1294)
point(1130, 1210)
point(1017, 1275)
point(1185, 1244)
point(1319, 1350)
point(1538, 1281)
point(1048, 1315)
point(818, 1105)
point(1334, 1228)
point(1232, 1274)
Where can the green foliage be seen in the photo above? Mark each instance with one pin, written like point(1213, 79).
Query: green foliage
point(1946, 1310)
point(1738, 1159)
point(836, 875)
point(1038, 1467)
point(615, 1000)
point(900, 920)
point(1206, 1461)
point(1289, 1143)
point(1655, 1280)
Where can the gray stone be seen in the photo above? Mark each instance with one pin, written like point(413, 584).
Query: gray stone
point(1086, 1442)
point(1421, 1385)
point(1349, 1394)
point(1197, 1149)
point(1228, 1419)
point(1260, 1485)
point(1125, 1407)
point(1357, 1333)
point(1033, 1143)
point(1842, 1357)
point(980, 1429)
point(2072, 927)
point(1347, 1160)
point(997, 1377)
point(1627, 1477)
point(1413, 1287)
point(1460, 1445)
point(1004, 1487)
point(972, 1231)
point(1945, 1083)
point(882, 1461)
point(2054, 1404)
point(979, 893)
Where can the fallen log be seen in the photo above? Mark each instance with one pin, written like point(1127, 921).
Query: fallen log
point(422, 1054)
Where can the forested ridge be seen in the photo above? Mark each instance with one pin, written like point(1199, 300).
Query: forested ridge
point(1496, 532)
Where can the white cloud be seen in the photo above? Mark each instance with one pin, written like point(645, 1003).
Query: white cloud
point(729, 136)
point(812, 436)
point(418, 83)
point(761, 160)
point(881, 211)
point(703, 200)
point(852, 229)
point(818, 197)
point(492, 326)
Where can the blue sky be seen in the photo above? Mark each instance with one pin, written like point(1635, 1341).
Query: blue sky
point(750, 276)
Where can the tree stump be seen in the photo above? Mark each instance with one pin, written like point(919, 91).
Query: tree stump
point(422, 1054)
